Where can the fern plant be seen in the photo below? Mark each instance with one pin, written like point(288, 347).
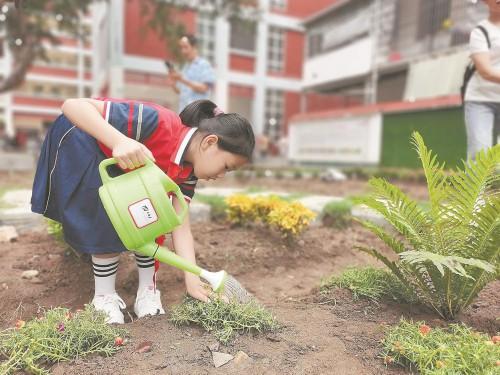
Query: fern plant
point(450, 251)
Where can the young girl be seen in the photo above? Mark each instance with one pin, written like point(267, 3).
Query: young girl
point(201, 143)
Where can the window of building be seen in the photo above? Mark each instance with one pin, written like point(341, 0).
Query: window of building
point(55, 91)
point(276, 47)
point(243, 35)
point(38, 90)
point(314, 44)
point(87, 62)
point(432, 15)
point(278, 4)
point(205, 33)
point(273, 120)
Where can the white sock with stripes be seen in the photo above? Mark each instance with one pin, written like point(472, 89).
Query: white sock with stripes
point(146, 268)
point(105, 274)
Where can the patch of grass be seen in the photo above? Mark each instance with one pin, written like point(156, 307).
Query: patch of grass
point(293, 196)
point(444, 351)
point(55, 337)
point(338, 214)
point(224, 319)
point(217, 205)
point(3, 190)
point(55, 229)
point(253, 189)
point(395, 174)
point(369, 282)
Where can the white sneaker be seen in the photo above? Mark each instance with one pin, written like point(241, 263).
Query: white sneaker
point(148, 302)
point(111, 304)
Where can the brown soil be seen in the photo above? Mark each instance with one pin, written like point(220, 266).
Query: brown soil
point(317, 337)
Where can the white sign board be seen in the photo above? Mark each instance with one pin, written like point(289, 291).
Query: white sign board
point(346, 140)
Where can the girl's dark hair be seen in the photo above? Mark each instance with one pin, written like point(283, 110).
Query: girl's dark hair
point(234, 131)
point(193, 41)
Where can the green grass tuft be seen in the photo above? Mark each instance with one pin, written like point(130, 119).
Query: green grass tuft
point(55, 337)
point(224, 319)
point(444, 351)
point(338, 214)
point(369, 282)
point(55, 229)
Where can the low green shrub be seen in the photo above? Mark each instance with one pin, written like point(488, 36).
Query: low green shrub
point(369, 282)
point(441, 351)
point(337, 214)
point(57, 336)
point(55, 229)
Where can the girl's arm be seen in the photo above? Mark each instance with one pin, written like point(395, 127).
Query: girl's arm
point(482, 62)
point(184, 246)
point(86, 115)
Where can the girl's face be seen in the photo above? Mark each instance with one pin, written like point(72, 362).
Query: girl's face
point(211, 162)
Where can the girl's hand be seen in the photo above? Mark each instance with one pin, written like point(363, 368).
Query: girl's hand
point(131, 154)
point(197, 288)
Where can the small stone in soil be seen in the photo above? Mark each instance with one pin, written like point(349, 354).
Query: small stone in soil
point(29, 274)
point(5, 286)
point(240, 358)
point(144, 347)
point(8, 233)
point(220, 359)
point(35, 280)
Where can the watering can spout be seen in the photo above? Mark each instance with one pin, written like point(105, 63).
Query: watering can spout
point(148, 249)
point(164, 255)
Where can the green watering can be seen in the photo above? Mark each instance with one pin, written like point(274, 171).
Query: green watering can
point(140, 210)
point(138, 205)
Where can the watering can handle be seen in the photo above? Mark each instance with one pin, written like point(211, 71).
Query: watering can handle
point(103, 169)
point(180, 198)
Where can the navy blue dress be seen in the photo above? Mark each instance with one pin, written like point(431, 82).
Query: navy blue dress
point(66, 186)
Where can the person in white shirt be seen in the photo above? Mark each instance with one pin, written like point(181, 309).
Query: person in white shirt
point(482, 96)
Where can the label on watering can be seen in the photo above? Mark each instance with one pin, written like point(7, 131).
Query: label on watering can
point(143, 213)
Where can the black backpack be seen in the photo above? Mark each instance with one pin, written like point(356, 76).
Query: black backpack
point(470, 69)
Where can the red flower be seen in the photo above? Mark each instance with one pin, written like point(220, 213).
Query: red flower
point(495, 339)
point(424, 329)
point(60, 327)
point(20, 324)
point(118, 341)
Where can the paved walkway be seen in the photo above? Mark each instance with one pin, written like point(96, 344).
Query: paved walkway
point(16, 207)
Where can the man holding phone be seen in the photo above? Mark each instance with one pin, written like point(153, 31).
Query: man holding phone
point(196, 79)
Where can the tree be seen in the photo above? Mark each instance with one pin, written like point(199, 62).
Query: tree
point(28, 26)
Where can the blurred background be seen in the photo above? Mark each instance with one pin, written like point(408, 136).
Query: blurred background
point(324, 82)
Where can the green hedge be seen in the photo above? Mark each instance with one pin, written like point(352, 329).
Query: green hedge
point(443, 131)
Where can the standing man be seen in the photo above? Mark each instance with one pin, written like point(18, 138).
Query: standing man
point(482, 96)
point(196, 79)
